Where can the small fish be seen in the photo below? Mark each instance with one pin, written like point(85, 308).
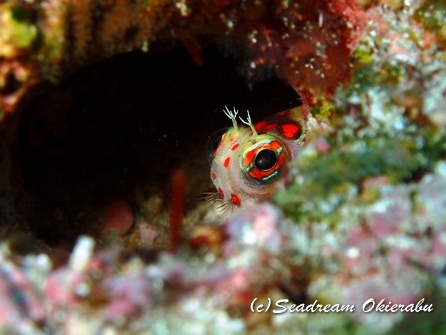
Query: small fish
point(247, 162)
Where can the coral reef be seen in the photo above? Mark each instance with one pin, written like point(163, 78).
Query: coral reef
point(360, 224)
point(45, 40)
point(306, 43)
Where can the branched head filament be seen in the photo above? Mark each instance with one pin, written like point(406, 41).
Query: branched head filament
point(248, 122)
point(232, 115)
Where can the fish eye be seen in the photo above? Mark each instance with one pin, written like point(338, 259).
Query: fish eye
point(265, 160)
point(213, 143)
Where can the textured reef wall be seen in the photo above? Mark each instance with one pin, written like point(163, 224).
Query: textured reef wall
point(302, 41)
point(363, 216)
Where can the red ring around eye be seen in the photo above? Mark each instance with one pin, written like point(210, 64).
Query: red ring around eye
point(251, 154)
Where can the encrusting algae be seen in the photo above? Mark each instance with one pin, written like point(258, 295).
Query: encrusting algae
point(306, 43)
point(361, 221)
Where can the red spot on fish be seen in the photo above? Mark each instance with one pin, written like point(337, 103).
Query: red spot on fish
point(270, 126)
point(234, 147)
point(259, 126)
point(221, 194)
point(236, 199)
point(213, 175)
point(226, 162)
point(290, 130)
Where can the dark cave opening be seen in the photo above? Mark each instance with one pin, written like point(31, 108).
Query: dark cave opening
point(125, 124)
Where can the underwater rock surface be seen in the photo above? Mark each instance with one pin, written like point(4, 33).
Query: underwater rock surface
point(363, 216)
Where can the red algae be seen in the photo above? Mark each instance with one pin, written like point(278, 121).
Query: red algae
point(177, 206)
point(309, 43)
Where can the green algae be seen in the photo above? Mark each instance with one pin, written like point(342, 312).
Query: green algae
point(432, 14)
point(18, 29)
point(382, 127)
point(425, 323)
point(335, 177)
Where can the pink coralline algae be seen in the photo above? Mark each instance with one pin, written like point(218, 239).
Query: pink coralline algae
point(21, 293)
point(99, 291)
point(393, 251)
point(127, 300)
point(390, 249)
point(363, 216)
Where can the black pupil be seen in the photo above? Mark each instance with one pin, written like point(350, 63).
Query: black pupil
point(265, 160)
